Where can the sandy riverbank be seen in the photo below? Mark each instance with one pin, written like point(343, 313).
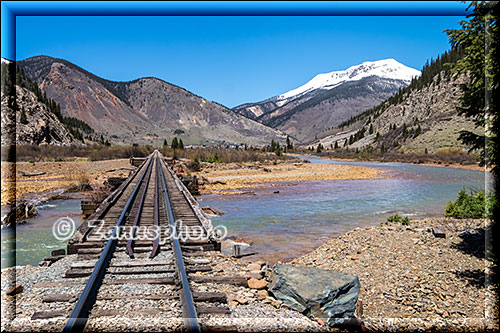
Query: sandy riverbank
point(412, 280)
point(58, 175)
point(235, 178)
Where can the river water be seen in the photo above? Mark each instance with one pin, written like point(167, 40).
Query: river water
point(304, 215)
point(292, 222)
point(34, 239)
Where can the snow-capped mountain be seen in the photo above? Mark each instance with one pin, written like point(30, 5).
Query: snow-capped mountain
point(6, 61)
point(388, 69)
point(330, 98)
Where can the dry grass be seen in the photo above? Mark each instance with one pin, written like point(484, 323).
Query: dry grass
point(58, 175)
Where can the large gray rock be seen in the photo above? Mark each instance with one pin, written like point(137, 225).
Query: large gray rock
point(329, 295)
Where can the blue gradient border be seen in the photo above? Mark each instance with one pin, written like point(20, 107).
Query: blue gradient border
point(11, 9)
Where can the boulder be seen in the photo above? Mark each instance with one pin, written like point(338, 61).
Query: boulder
point(317, 293)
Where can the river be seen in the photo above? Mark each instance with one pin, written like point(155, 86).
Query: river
point(304, 215)
point(292, 222)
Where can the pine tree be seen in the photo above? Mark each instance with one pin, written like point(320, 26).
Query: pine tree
point(479, 37)
point(181, 144)
point(417, 131)
point(165, 143)
point(336, 145)
point(405, 130)
point(383, 150)
point(289, 144)
point(370, 131)
point(175, 143)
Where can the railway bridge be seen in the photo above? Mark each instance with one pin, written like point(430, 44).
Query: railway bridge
point(149, 232)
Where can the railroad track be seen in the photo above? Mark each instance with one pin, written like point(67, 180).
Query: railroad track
point(148, 245)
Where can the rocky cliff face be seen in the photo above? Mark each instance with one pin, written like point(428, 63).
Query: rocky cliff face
point(431, 108)
point(32, 123)
point(145, 110)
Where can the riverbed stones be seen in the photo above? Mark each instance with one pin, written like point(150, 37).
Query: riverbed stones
point(254, 266)
point(329, 295)
point(262, 294)
point(257, 284)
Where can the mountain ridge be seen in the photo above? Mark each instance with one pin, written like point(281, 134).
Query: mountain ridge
point(154, 110)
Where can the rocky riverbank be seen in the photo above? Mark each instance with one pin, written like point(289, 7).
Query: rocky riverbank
point(431, 274)
point(239, 178)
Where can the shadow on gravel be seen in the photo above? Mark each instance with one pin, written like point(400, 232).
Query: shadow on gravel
point(472, 242)
point(474, 277)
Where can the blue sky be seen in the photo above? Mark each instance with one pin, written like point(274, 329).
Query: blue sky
point(231, 60)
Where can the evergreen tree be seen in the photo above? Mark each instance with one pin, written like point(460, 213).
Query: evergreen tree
point(417, 131)
point(175, 143)
point(383, 150)
point(320, 148)
point(405, 130)
point(181, 144)
point(289, 144)
point(479, 37)
point(165, 143)
point(370, 131)
point(336, 145)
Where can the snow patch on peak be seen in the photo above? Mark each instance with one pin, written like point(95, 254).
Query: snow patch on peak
point(387, 68)
point(6, 61)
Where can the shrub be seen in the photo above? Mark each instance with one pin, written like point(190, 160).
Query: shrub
point(396, 218)
point(473, 205)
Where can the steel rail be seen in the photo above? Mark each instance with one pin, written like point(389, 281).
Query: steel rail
point(156, 216)
point(188, 309)
point(79, 315)
point(137, 219)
